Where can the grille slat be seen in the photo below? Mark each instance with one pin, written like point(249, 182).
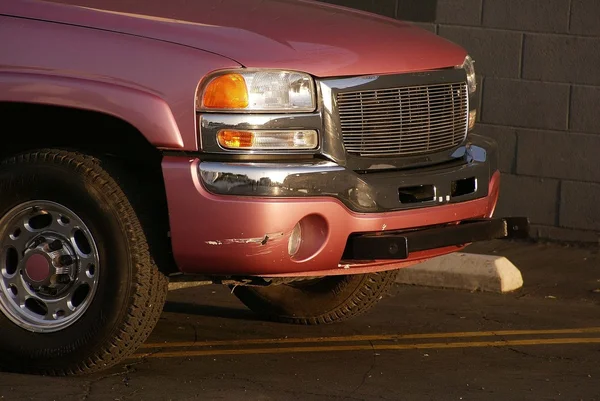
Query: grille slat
point(374, 101)
point(433, 141)
point(391, 113)
point(433, 87)
point(387, 124)
point(403, 121)
point(392, 138)
point(392, 135)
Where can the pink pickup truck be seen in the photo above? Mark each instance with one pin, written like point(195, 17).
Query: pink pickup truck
point(298, 152)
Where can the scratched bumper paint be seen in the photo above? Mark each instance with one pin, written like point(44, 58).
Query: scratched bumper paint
point(235, 235)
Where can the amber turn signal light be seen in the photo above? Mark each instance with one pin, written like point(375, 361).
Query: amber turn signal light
point(268, 140)
point(226, 92)
point(235, 139)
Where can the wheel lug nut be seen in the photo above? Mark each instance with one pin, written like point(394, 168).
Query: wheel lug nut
point(37, 242)
point(63, 279)
point(65, 260)
point(55, 245)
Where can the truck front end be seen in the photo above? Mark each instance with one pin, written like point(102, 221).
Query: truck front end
point(305, 176)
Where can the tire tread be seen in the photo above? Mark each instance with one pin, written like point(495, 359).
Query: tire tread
point(149, 285)
point(370, 290)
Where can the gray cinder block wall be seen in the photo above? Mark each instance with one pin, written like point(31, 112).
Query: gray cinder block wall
point(539, 67)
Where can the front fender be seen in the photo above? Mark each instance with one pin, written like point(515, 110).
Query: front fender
point(131, 105)
point(149, 83)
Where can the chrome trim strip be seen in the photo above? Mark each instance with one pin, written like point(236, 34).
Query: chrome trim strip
point(469, 95)
point(261, 174)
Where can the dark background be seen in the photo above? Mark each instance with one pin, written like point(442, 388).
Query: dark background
point(538, 63)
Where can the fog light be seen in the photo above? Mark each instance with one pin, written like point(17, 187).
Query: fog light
point(295, 240)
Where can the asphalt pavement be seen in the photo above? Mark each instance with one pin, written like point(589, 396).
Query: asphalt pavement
point(541, 342)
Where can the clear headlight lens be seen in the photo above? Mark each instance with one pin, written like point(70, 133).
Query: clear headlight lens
point(259, 91)
point(469, 67)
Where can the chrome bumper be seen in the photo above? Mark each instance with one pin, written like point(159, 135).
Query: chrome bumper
point(361, 192)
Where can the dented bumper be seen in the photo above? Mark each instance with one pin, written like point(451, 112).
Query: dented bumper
point(238, 224)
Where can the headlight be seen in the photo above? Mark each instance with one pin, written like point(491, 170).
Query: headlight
point(469, 67)
point(264, 91)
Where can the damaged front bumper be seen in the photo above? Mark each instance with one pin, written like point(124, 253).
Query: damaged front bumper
point(237, 218)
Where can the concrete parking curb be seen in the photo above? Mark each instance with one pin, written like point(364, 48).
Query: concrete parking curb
point(464, 271)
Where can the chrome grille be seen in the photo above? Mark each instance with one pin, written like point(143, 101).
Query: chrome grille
point(404, 121)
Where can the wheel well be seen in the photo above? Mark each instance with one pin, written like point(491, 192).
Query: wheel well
point(116, 142)
point(34, 126)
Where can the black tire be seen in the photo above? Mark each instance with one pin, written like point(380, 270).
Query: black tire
point(130, 292)
point(320, 301)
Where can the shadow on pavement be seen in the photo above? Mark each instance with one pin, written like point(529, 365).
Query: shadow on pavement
point(210, 310)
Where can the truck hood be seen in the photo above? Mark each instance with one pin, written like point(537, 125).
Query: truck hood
point(303, 35)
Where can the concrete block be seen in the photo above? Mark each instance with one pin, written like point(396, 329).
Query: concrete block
point(421, 11)
point(528, 15)
point(464, 271)
point(536, 198)
point(507, 144)
point(564, 234)
point(564, 155)
point(464, 12)
point(584, 17)
point(583, 115)
point(579, 207)
point(561, 58)
point(525, 104)
point(496, 53)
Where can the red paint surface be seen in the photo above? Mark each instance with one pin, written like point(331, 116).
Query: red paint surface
point(218, 234)
point(321, 39)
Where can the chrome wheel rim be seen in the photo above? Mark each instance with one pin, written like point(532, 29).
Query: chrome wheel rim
point(49, 266)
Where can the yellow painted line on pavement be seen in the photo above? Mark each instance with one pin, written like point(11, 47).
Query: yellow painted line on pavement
point(361, 338)
point(374, 347)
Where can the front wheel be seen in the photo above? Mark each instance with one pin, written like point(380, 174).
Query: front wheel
point(79, 290)
point(318, 301)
